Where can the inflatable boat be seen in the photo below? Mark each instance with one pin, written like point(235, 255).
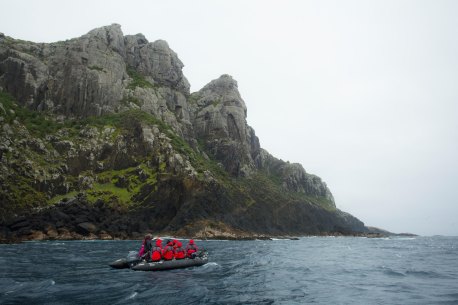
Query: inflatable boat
point(134, 263)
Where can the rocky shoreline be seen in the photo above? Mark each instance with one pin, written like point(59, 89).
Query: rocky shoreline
point(76, 219)
point(65, 235)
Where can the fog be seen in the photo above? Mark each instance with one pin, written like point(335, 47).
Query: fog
point(363, 94)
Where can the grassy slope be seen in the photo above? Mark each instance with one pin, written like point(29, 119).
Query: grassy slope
point(122, 185)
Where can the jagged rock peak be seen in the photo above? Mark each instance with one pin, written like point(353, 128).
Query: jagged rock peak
point(220, 118)
point(113, 29)
point(111, 35)
point(222, 86)
point(94, 74)
point(225, 82)
point(222, 90)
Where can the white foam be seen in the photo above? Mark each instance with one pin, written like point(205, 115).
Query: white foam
point(210, 265)
point(133, 295)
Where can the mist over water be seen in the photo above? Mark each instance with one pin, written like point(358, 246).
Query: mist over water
point(320, 270)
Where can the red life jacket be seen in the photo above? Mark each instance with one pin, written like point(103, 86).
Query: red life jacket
point(167, 253)
point(156, 255)
point(179, 253)
point(190, 249)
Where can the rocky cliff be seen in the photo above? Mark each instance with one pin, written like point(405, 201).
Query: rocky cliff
point(100, 137)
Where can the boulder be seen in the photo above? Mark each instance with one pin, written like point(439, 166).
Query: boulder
point(37, 235)
point(51, 232)
point(105, 236)
point(86, 228)
point(64, 234)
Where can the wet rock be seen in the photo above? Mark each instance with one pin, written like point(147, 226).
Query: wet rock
point(91, 236)
point(23, 223)
point(37, 235)
point(64, 234)
point(105, 236)
point(51, 232)
point(86, 227)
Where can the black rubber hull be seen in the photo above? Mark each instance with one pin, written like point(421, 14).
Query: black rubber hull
point(120, 264)
point(173, 264)
point(123, 263)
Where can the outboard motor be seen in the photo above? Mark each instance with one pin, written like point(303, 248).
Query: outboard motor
point(132, 258)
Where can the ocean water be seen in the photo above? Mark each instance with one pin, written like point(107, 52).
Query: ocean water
point(312, 270)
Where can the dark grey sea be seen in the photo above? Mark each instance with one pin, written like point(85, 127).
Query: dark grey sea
point(312, 270)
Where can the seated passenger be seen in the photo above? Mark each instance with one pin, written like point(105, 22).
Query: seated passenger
point(157, 251)
point(167, 252)
point(191, 249)
point(179, 251)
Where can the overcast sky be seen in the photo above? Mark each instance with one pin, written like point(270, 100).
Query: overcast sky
point(363, 94)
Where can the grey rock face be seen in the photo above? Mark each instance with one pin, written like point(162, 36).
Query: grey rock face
point(156, 60)
point(293, 176)
point(295, 179)
point(80, 77)
point(220, 119)
point(89, 75)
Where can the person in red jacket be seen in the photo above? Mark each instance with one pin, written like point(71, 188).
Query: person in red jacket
point(167, 252)
point(179, 251)
point(191, 249)
point(156, 254)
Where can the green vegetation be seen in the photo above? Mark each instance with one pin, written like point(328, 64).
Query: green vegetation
point(122, 186)
point(320, 201)
point(216, 103)
point(193, 98)
point(116, 186)
point(265, 188)
point(18, 194)
point(130, 118)
point(133, 100)
point(109, 193)
point(138, 80)
point(96, 68)
point(59, 198)
point(37, 123)
point(132, 178)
